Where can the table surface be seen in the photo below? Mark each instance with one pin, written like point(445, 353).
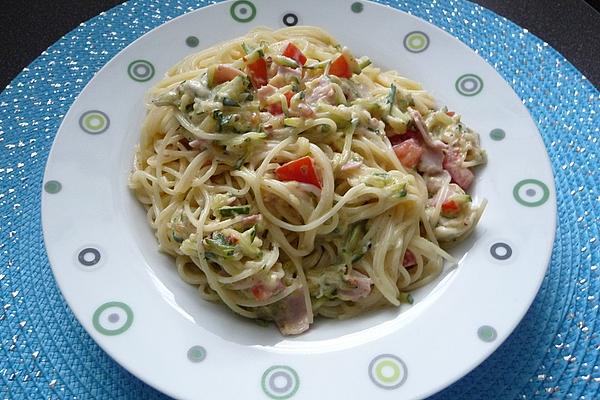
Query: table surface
point(567, 25)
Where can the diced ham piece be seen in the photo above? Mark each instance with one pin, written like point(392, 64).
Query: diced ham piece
point(323, 90)
point(304, 110)
point(351, 165)
point(435, 182)
point(431, 161)
point(284, 75)
point(261, 292)
point(251, 219)
point(360, 287)
point(198, 144)
point(418, 120)
point(225, 73)
point(409, 152)
point(409, 259)
point(462, 176)
point(264, 92)
point(291, 316)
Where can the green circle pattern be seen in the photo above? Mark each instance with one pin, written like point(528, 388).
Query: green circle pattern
point(242, 11)
point(113, 331)
point(487, 333)
point(192, 41)
point(416, 42)
point(497, 134)
point(196, 354)
point(387, 362)
point(469, 85)
point(538, 185)
point(52, 187)
point(140, 70)
point(357, 7)
point(94, 122)
point(292, 382)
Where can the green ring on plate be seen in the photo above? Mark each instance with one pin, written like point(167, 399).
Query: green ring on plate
point(268, 384)
point(116, 331)
point(196, 354)
point(52, 187)
point(240, 7)
point(133, 70)
point(389, 362)
point(94, 122)
point(534, 182)
point(487, 333)
point(497, 134)
point(357, 7)
point(192, 41)
point(416, 42)
point(461, 85)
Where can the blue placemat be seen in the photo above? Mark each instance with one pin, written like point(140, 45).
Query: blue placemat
point(554, 352)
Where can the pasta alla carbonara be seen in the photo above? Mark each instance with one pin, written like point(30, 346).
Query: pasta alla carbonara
point(289, 178)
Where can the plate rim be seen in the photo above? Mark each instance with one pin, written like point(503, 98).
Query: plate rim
point(482, 355)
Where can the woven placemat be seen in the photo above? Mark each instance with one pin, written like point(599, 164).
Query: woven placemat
point(45, 353)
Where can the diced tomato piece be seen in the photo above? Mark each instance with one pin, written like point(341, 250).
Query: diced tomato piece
point(450, 113)
point(409, 259)
point(300, 170)
point(258, 73)
point(294, 53)
point(409, 153)
point(260, 292)
point(275, 108)
point(339, 67)
point(288, 96)
point(450, 208)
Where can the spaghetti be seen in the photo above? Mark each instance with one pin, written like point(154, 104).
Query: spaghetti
point(290, 179)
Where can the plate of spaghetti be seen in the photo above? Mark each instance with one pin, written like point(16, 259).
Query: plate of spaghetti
point(286, 196)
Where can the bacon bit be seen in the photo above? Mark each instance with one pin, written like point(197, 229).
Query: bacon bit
point(450, 113)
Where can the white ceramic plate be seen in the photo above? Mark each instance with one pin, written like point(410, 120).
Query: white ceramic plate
point(131, 300)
